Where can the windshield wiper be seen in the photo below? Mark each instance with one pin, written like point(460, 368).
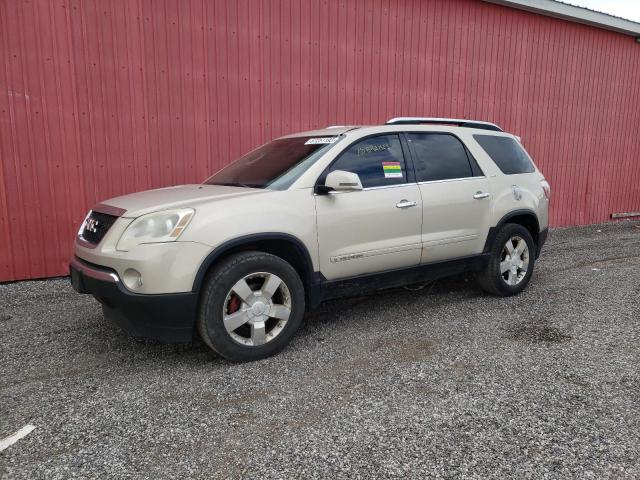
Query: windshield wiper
point(234, 184)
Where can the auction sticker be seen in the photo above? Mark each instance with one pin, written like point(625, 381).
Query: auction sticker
point(392, 169)
point(317, 140)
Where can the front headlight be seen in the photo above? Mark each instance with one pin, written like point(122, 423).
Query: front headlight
point(155, 227)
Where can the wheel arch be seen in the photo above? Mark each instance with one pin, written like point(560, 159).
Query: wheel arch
point(525, 217)
point(283, 245)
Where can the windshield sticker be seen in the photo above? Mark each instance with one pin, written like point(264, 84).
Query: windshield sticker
point(392, 169)
point(373, 148)
point(317, 140)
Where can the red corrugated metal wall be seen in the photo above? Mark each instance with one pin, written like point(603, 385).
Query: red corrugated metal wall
point(101, 98)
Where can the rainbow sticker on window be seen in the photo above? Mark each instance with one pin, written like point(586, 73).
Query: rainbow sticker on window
point(392, 169)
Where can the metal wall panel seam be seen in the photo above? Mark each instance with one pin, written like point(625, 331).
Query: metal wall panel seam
point(586, 118)
point(634, 160)
point(81, 89)
point(622, 137)
point(145, 96)
point(571, 145)
point(597, 183)
point(58, 213)
point(565, 53)
point(80, 167)
point(606, 190)
point(8, 268)
point(604, 179)
point(568, 114)
point(629, 135)
point(38, 238)
point(598, 140)
point(423, 65)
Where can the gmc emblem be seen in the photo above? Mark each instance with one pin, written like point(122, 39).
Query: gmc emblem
point(92, 225)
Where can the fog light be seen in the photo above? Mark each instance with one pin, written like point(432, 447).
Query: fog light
point(132, 278)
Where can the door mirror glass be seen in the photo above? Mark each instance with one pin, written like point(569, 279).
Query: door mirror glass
point(341, 181)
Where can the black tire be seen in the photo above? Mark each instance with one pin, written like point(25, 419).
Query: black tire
point(218, 285)
point(490, 279)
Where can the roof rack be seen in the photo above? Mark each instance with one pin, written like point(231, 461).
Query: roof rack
point(444, 121)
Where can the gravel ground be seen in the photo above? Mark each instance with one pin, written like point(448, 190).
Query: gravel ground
point(439, 382)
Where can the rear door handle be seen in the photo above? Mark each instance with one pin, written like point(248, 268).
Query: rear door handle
point(481, 195)
point(405, 204)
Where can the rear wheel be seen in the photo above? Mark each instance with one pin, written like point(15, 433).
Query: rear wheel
point(511, 264)
point(251, 306)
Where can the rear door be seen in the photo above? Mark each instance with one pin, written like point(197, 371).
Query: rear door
point(455, 193)
point(377, 228)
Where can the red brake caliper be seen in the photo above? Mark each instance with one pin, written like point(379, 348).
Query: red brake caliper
point(234, 304)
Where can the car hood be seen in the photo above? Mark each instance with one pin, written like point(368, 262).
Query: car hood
point(181, 196)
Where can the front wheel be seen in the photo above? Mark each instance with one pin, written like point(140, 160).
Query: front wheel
point(251, 306)
point(511, 263)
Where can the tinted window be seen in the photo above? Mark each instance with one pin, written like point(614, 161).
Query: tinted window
point(439, 157)
point(377, 160)
point(475, 168)
point(275, 165)
point(507, 153)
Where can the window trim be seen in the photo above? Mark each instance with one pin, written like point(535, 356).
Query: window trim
point(379, 187)
point(406, 155)
point(470, 157)
point(446, 180)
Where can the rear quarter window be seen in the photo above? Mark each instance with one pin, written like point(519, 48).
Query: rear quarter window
point(507, 154)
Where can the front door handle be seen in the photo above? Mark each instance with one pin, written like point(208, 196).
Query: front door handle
point(481, 195)
point(405, 204)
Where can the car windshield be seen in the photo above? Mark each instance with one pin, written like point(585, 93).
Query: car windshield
point(275, 165)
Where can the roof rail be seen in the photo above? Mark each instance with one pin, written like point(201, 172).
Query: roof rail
point(444, 121)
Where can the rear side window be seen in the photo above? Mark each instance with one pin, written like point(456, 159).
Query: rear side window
point(440, 156)
point(378, 161)
point(507, 154)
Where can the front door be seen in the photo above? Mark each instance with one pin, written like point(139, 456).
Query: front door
point(375, 229)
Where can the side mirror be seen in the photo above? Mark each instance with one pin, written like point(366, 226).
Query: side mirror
point(341, 181)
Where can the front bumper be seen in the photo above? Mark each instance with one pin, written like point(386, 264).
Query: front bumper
point(168, 317)
point(168, 267)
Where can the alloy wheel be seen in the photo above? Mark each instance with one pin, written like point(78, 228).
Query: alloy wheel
point(257, 309)
point(514, 260)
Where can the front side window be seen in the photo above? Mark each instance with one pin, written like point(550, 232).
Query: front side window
point(506, 153)
point(378, 161)
point(440, 156)
point(275, 165)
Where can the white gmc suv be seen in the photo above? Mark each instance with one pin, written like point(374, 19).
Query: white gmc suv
point(312, 216)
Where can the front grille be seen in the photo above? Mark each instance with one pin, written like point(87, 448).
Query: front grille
point(101, 224)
